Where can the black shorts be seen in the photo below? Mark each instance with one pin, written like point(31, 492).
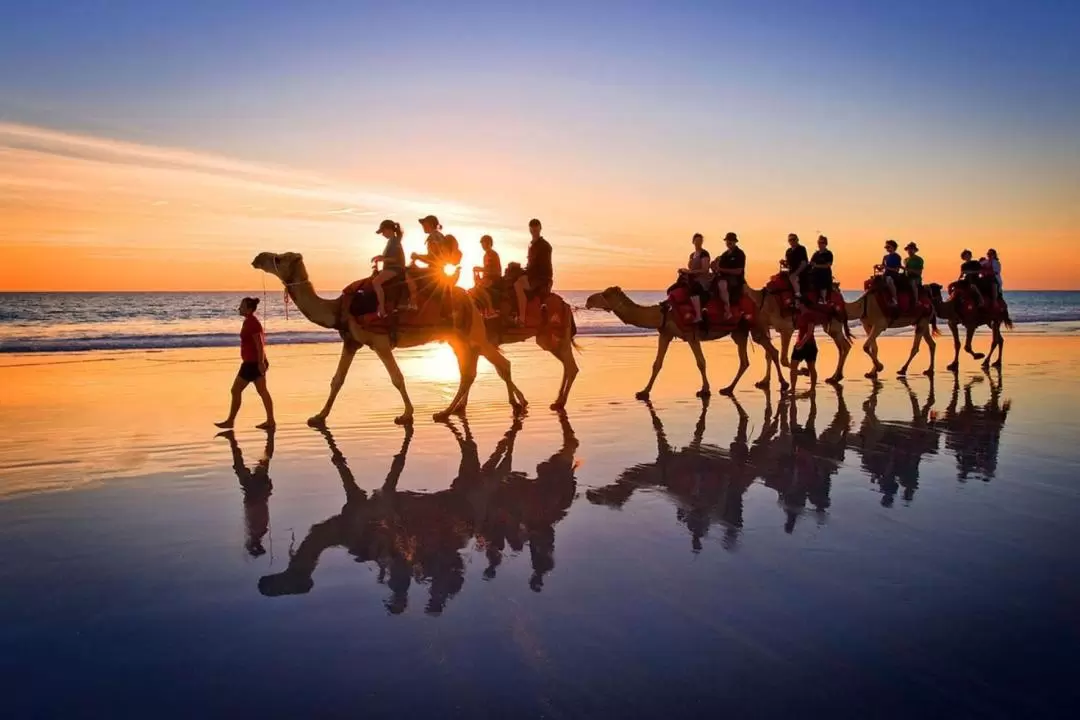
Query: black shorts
point(251, 371)
point(807, 353)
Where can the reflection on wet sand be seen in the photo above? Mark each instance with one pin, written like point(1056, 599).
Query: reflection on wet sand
point(706, 482)
point(256, 486)
point(419, 537)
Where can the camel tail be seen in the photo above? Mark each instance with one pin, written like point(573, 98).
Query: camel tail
point(1008, 320)
point(847, 328)
point(933, 324)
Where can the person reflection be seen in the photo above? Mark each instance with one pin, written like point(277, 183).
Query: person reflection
point(256, 486)
point(973, 433)
point(418, 538)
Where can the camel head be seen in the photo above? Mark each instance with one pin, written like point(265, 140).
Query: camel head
point(287, 267)
point(603, 300)
point(935, 291)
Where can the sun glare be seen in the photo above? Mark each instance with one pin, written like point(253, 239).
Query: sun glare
point(432, 363)
point(449, 270)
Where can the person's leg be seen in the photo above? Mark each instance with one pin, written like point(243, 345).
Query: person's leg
point(993, 293)
point(915, 288)
point(812, 365)
point(892, 287)
point(725, 297)
point(795, 285)
point(794, 366)
point(234, 406)
point(380, 294)
point(520, 286)
point(410, 282)
point(976, 293)
point(268, 403)
point(695, 300)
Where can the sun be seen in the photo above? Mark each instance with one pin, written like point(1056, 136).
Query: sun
point(432, 363)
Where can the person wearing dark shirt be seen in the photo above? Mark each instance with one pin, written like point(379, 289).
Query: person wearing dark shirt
point(729, 271)
point(821, 269)
point(539, 273)
point(890, 267)
point(970, 271)
point(797, 263)
point(486, 277)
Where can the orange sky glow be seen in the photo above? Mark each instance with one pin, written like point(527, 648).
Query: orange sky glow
point(84, 213)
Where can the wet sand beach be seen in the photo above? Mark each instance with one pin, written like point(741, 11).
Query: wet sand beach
point(894, 549)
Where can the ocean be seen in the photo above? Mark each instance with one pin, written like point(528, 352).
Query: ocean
point(74, 322)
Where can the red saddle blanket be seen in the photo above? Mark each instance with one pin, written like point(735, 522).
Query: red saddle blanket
point(813, 311)
point(682, 310)
point(906, 304)
point(969, 307)
point(433, 306)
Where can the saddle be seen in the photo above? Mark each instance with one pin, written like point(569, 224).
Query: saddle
point(712, 309)
point(435, 301)
point(960, 292)
point(813, 311)
point(906, 303)
point(546, 314)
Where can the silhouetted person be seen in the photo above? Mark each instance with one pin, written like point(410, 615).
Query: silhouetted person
point(256, 486)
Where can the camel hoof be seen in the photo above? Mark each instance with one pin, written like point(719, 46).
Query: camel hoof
point(729, 391)
point(459, 411)
point(557, 406)
point(834, 380)
point(405, 419)
point(872, 375)
point(986, 366)
point(902, 372)
point(953, 367)
point(784, 387)
point(928, 371)
point(996, 364)
point(317, 421)
point(703, 393)
point(977, 356)
point(762, 384)
point(643, 395)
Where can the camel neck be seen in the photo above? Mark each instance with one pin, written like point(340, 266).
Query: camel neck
point(633, 314)
point(320, 311)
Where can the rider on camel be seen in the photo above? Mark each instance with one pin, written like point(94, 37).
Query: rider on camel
point(487, 277)
point(798, 262)
point(821, 270)
point(539, 273)
point(913, 268)
point(970, 274)
point(729, 271)
point(393, 260)
point(993, 265)
point(696, 274)
point(434, 245)
point(890, 267)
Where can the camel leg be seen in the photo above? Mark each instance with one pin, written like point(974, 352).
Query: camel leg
point(387, 356)
point(699, 357)
point(502, 366)
point(996, 342)
point(931, 345)
point(570, 371)
point(915, 343)
point(954, 366)
point(741, 341)
point(967, 343)
point(871, 349)
point(843, 347)
point(785, 346)
point(348, 352)
point(467, 359)
point(662, 345)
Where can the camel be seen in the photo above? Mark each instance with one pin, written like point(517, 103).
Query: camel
point(949, 310)
point(419, 537)
point(973, 432)
point(653, 317)
point(876, 320)
point(779, 318)
point(468, 342)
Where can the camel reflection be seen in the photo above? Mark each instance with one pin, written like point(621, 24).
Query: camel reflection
point(892, 451)
point(256, 486)
point(418, 538)
point(973, 432)
point(707, 483)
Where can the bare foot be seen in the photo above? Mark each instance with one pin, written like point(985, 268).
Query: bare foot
point(224, 424)
point(268, 425)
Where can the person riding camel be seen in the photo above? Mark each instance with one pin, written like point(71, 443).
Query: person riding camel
point(487, 277)
point(821, 275)
point(913, 269)
point(539, 273)
point(993, 265)
point(729, 271)
point(434, 244)
point(797, 263)
point(970, 274)
point(393, 260)
point(890, 267)
point(696, 274)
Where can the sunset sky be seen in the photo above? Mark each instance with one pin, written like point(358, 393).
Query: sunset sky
point(148, 146)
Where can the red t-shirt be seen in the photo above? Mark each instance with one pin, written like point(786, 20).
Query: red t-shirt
point(251, 340)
